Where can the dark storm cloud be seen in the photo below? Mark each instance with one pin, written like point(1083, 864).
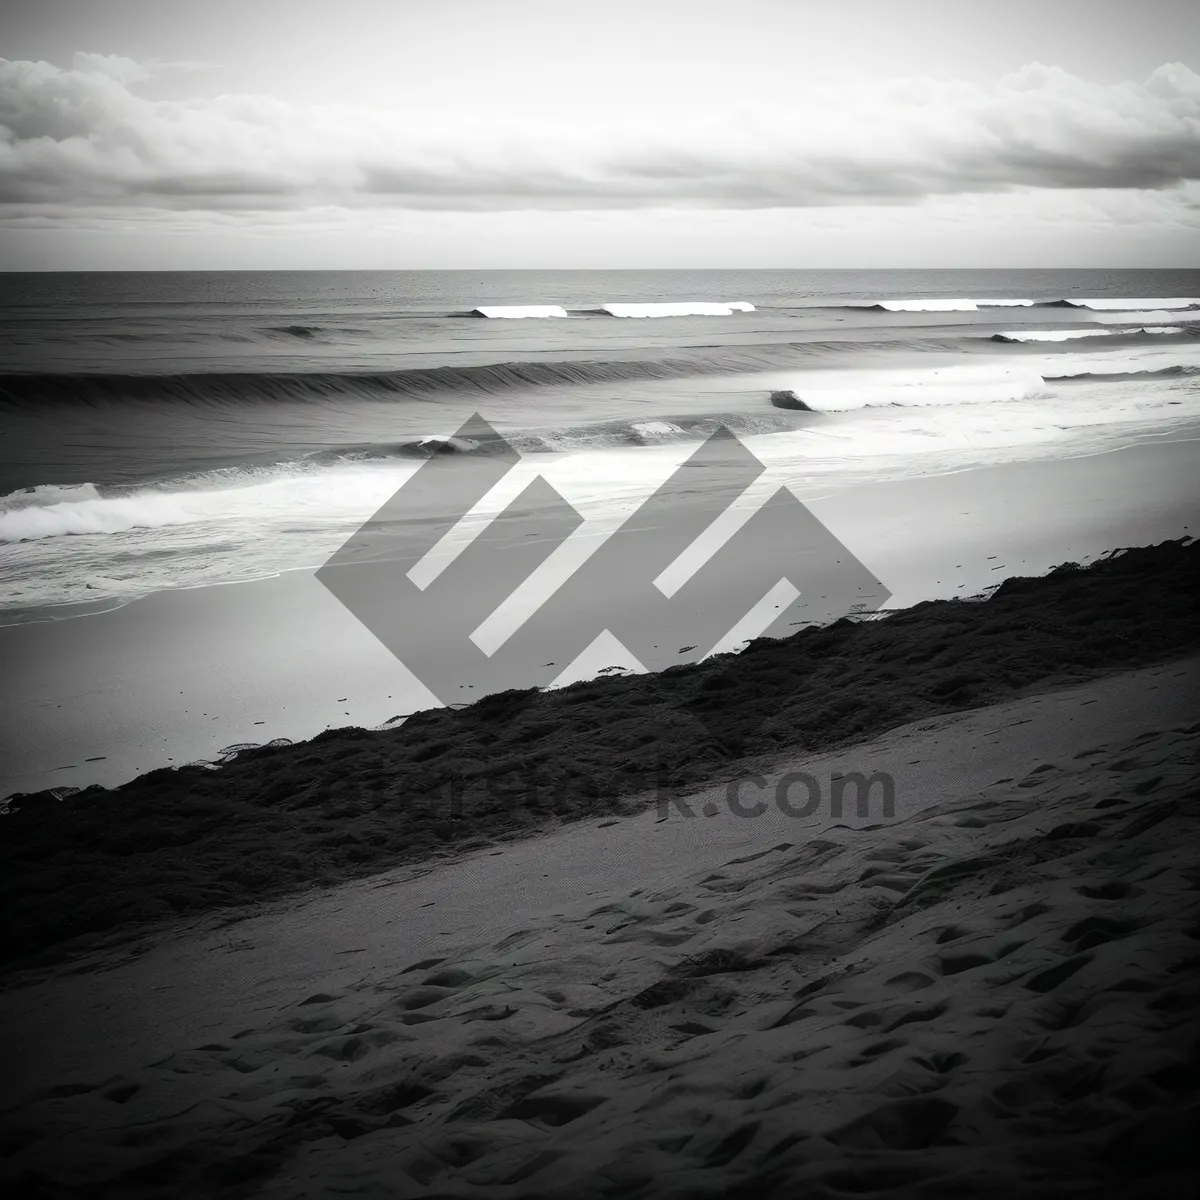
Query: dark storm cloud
point(84, 136)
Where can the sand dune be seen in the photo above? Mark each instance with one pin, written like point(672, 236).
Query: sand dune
point(989, 994)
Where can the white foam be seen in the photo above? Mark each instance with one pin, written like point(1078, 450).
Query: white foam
point(1066, 335)
point(284, 495)
point(845, 391)
point(520, 311)
point(687, 309)
point(907, 441)
point(656, 429)
point(49, 493)
point(965, 305)
point(1120, 362)
point(1150, 317)
point(912, 420)
point(1106, 304)
point(100, 515)
point(1021, 378)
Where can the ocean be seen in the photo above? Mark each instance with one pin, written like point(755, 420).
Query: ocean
point(167, 430)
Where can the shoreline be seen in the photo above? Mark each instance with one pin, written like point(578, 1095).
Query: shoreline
point(279, 819)
point(80, 610)
point(177, 676)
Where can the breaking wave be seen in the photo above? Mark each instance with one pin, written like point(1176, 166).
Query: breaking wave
point(519, 311)
point(1025, 378)
point(916, 387)
point(1066, 335)
point(327, 480)
point(1174, 303)
point(26, 391)
point(47, 494)
point(942, 305)
point(1104, 304)
point(1148, 317)
point(246, 388)
point(687, 309)
point(107, 514)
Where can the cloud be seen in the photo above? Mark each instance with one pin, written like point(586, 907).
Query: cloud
point(84, 137)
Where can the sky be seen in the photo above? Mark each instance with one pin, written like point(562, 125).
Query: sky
point(405, 134)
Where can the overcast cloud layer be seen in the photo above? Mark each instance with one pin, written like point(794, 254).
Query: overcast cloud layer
point(83, 136)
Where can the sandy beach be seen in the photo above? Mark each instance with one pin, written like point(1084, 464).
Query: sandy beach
point(599, 602)
point(896, 907)
point(178, 676)
point(986, 994)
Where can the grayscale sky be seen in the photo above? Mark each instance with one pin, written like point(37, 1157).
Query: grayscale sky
point(606, 133)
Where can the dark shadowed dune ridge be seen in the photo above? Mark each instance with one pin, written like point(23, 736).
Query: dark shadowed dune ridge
point(281, 818)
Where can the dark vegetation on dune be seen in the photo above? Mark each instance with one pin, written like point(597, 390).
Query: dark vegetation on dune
point(278, 819)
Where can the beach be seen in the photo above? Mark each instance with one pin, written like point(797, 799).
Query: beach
point(985, 993)
point(899, 900)
point(180, 675)
point(186, 451)
point(599, 602)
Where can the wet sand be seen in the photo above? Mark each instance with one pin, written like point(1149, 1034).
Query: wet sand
point(178, 676)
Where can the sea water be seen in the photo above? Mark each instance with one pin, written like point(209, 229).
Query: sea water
point(183, 429)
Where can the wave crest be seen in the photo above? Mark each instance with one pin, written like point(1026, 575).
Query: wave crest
point(1067, 335)
point(340, 473)
point(100, 514)
point(32, 391)
point(517, 312)
point(1138, 305)
point(970, 304)
point(964, 305)
point(1020, 378)
point(47, 494)
point(919, 387)
point(686, 309)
